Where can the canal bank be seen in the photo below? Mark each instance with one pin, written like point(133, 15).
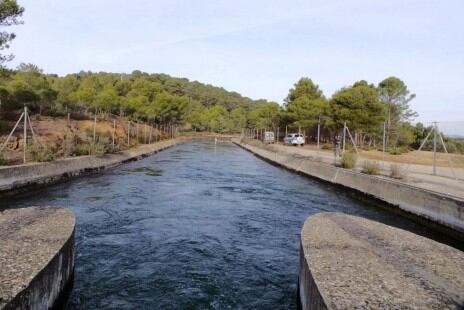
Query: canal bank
point(440, 211)
point(36, 257)
point(21, 178)
point(348, 262)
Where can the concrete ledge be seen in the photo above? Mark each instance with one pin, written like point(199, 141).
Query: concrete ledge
point(36, 257)
point(19, 178)
point(436, 207)
point(347, 262)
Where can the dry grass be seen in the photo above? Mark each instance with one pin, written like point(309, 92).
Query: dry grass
point(417, 158)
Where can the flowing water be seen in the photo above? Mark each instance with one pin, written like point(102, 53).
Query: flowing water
point(195, 226)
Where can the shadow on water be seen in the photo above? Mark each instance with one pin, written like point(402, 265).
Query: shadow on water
point(196, 226)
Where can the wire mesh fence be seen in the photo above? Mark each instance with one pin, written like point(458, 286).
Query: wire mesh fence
point(31, 138)
point(421, 152)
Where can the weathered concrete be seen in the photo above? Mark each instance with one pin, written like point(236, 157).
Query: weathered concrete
point(22, 177)
point(348, 262)
point(36, 256)
point(437, 207)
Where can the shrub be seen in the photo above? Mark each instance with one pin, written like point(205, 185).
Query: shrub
point(348, 160)
point(398, 150)
point(371, 167)
point(327, 146)
point(100, 149)
point(79, 150)
point(396, 171)
point(40, 153)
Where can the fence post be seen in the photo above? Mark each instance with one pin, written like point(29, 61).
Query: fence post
point(128, 133)
point(384, 145)
point(114, 130)
point(137, 129)
point(25, 134)
point(94, 128)
point(344, 136)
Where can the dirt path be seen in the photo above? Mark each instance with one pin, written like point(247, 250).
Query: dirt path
point(419, 174)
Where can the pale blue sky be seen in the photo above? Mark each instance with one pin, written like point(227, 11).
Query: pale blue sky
point(258, 48)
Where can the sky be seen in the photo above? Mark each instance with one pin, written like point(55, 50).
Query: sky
point(258, 48)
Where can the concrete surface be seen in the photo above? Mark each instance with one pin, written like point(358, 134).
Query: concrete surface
point(440, 208)
point(36, 256)
point(348, 262)
point(14, 179)
point(416, 175)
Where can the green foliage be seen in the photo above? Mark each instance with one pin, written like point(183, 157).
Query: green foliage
point(397, 150)
point(394, 93)
point(100, 149)
point(10, 11)
point(40, 153)
point(370, 167)
point(266, 115)
point(359, 107)
point(348, 160)
point(304, 88)
point(327, 146)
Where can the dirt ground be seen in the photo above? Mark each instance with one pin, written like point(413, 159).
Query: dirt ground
point(53, 132)
point(415, 157)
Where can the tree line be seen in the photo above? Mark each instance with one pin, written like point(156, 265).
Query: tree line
point(161, 99)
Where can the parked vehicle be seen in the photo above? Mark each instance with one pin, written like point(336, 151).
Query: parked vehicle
point(269, 137)
point(294, 139)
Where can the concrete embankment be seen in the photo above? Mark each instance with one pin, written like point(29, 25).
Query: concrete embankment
point(19, 178)
point(347, 262)
point(443, 211)
point(36, 257)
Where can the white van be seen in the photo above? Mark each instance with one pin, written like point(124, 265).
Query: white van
point(294, 139)
point(269, 137)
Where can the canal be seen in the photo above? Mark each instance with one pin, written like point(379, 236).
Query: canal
point(195, 226)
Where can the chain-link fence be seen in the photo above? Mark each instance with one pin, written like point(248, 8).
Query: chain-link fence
point(427, 154)
point(31, 138)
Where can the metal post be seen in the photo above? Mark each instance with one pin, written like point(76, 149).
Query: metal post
point(114, 130)
point(25, 134)
point(277, 138)
point(94, 128)
point(434, 148)
point(318, 131)
point(137, 129)
point(286, 130)
point(128, 133)
point(344, 136)
point(384, 145)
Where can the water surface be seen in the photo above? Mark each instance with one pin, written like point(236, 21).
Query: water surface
point(195, 226)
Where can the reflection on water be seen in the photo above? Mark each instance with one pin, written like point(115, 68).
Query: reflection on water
point(216, 228)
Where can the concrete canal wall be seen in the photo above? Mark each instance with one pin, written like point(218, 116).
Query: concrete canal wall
point(347, 262)
point(444, 210)
point(36, 257)
point(19, 178)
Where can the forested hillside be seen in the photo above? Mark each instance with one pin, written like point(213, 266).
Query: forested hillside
point(155, 98)
point(162, 99)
